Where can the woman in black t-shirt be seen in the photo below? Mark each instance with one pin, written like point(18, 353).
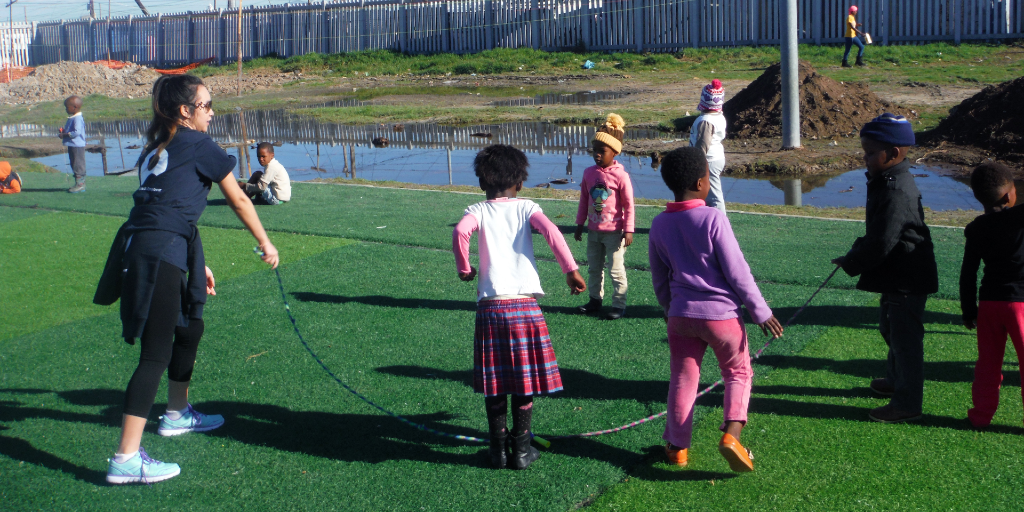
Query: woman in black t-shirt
point(157, 268)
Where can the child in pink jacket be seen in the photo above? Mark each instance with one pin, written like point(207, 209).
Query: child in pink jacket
point(606, 205)
point(701, 279)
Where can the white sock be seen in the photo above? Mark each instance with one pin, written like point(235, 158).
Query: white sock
point(121, 458)
point(173, 415)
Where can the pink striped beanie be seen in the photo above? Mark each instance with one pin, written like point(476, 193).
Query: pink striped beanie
point(712, 97)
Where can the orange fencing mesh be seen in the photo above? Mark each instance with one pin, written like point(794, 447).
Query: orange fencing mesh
point(184, 69)
point(112, 64)
point(15, 74)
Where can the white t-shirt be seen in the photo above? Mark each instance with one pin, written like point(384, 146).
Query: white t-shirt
point(507, 266)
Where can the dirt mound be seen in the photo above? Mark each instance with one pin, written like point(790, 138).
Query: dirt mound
point(827, 108)
point(993, 120)
point(58, 81)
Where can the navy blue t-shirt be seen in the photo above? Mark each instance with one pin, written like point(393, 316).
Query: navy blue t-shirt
point(182, 179)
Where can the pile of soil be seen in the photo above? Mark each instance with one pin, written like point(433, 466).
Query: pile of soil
point(827, 108)
point(58, 81)
point(992, 119)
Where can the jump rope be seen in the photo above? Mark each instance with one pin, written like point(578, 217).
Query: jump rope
point(541, 440)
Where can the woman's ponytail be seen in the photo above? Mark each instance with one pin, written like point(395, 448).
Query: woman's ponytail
point(170, 92)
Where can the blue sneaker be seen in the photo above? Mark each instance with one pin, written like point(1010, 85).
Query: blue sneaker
point(191, 421)
point(141, 468)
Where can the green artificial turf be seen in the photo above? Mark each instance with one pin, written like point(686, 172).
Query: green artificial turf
point(391, 319)
point(53, 260)
point(782, 250)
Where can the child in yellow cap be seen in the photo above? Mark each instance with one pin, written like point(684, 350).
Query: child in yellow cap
point(606, 205)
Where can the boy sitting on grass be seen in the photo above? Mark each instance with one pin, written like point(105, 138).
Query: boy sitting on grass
point(997, 238)
point(895, 257)
point(271, 186)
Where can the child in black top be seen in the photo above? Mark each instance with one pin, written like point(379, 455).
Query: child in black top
point(997, 238)
point(895, 258)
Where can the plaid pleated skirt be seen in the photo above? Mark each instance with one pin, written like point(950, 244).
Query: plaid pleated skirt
point(512, 351)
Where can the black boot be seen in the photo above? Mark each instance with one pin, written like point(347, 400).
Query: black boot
point(591, 308)
point(522, 453)
point(846, 64)
point(499, 450)
point(860, 61)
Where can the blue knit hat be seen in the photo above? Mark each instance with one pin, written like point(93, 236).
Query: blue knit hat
point(890, 129)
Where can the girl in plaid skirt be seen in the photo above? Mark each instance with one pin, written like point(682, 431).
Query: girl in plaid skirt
point(512, 352)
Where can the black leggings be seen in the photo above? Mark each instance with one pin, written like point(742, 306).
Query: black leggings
point(164, 345)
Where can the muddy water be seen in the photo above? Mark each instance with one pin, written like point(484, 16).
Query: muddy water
point(434, 154)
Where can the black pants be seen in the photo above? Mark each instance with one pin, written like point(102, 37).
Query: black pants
point(164, 345)
point(902, 328)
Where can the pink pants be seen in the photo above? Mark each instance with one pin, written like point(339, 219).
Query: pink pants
point(688, 339)
point(996, 319)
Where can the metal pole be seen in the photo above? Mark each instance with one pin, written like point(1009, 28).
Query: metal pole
point(792, 191)
point(238, 87)
point(790, 77)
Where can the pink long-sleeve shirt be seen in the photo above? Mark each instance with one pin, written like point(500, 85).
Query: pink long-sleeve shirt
point(697, 268)
point(606, 199)
point(507, 265)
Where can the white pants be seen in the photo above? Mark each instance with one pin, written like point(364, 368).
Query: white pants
point(716, 198)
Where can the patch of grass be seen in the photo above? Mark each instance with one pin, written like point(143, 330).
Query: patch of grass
point(27, 166)
point(818, 398)
point(42, 292)
point(359, 213)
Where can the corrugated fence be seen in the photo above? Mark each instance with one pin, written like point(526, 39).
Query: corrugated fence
point(468, 26)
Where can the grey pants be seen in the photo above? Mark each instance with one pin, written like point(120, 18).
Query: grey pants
point(77, 157)
point(902, 328)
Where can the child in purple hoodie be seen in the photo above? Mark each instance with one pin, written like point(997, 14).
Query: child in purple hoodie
point(701, 280)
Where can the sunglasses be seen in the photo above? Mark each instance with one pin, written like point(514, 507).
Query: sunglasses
point(208, 106)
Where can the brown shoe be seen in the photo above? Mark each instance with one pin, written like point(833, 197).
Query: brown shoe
point(882, 387)
point(890, 414)
point(677, 456)
point(740, 459)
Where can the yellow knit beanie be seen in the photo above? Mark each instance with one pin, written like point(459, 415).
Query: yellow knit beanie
point(612, 133)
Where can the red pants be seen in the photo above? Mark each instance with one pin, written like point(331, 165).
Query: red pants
point(996, 319)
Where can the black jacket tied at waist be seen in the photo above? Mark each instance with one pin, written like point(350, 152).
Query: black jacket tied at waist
point(135, 255)
point(895, 255)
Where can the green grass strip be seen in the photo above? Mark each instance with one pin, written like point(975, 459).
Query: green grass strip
point(782, 250)
point(52, 261)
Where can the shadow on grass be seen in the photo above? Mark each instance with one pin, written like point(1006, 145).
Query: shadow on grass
point(938, 371)
point(646, 470)
point(21, 450)
point(367, 438)
point(577, 383)
point(446, 305)
point(864, 317)
point(44, 190)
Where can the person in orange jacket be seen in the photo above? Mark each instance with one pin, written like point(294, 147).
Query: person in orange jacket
point(10, 181)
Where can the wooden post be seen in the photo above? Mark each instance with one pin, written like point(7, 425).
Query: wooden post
point(884, 7)
point(448, 149)
point(638, 24)
point(695, 24)
point(403, 30)
point(535, 23)
point(352, 166)
point(158, 42)
point(120, 148)
point(446, 33)
point(958, 13)
point(585, 24)
point(238, 86)
point(816, 27)
point(103, 153)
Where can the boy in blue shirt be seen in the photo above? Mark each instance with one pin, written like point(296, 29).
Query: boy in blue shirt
point(73, 136)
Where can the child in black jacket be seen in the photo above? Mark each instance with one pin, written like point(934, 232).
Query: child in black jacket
point(997, 238)
point(895, 257)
